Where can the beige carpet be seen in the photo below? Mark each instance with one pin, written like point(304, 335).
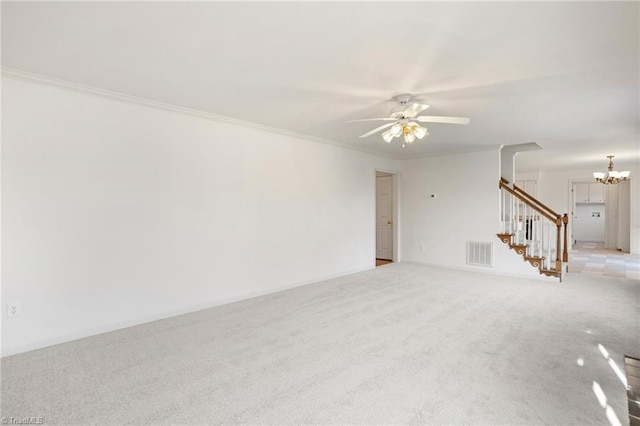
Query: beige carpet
point(592, 258)
point(398, 344)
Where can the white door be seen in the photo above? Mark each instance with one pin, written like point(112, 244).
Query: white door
point(384, 217)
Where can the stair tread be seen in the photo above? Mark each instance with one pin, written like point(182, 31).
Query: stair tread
point(521, 249)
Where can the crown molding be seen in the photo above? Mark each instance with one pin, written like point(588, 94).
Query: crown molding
point(17, 74)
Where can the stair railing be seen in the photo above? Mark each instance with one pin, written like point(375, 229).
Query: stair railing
point(564, 218)
point(527, 226)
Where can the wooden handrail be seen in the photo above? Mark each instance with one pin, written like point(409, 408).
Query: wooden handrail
point(535, 200)
point(527, 202)
point(531, 197)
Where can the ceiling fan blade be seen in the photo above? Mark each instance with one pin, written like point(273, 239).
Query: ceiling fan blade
point(438, 119)
point(372, 119)
point(414, 109)
point(377, 129)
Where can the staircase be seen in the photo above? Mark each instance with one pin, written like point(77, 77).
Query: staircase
point(533, 230)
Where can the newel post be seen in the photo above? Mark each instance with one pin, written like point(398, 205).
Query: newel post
point(565, 254)
point(558, 243)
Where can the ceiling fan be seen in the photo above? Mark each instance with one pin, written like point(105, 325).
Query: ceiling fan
point(403, 121)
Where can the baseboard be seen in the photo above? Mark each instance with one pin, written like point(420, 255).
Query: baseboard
point(484, 271)
point(107, 328)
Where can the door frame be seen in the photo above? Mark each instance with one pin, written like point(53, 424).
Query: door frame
point(395, 211)
point(572, 208)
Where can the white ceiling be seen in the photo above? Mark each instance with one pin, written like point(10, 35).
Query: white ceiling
point(562, 74)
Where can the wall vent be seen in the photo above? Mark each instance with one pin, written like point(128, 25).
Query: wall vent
point(479, 253)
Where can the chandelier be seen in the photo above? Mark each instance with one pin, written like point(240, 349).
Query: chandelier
point(410, 130)
point(611, 177)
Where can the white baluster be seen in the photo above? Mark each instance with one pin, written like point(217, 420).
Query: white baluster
point(541, 239)
point(529, 224)
point(539, 235)
point(524, 222)
point(514, 220)
point(549, 246)
point(525, 208)
point(519, 222)
point(507, 214)
point(527, 237)
point(502, 213)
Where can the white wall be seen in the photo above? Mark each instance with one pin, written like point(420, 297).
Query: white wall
point(466, 207)
point(116, 213)
point(624, 205)
point(612, 215)
point(588, 222)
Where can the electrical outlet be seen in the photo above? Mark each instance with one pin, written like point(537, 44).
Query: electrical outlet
point(14, 309)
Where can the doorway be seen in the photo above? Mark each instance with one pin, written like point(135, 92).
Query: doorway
point(386, 184)
point(601, 214)
point(588, 212)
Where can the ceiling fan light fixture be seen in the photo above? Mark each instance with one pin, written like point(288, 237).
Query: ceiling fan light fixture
point(419, 131)
point(403, 121)
point(388, 136)
point(408, 135)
